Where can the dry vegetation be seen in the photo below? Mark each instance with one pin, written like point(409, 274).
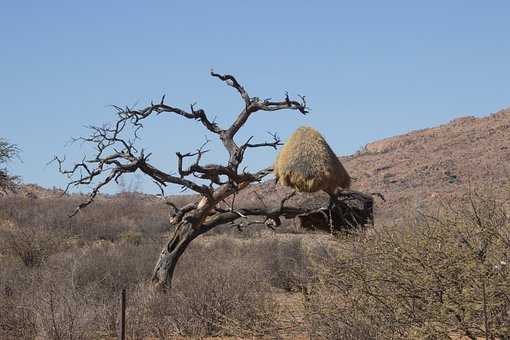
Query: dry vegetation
point(442, 274)
point(60, 278)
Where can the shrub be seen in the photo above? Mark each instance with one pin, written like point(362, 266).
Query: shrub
point(63, 312)
point(31, 246)
point(219, 289)
point(17, 318)
point(214, 293)
point(288, 263)
point(444, 276)
point(132, 236)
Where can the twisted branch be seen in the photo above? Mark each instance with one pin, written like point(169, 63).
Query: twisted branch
point(117, 153)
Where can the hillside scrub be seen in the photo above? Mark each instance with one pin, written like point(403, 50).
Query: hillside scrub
point(108, 219)
point(74, 294)
point(61, 278)
point(440, 276)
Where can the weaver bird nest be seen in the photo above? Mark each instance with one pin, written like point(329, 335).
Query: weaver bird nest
point(306, 163)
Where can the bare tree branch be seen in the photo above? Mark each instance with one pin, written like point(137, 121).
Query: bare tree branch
point(273, 144)
point(231, 81)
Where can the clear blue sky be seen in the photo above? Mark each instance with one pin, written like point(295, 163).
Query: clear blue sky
point(370, 69)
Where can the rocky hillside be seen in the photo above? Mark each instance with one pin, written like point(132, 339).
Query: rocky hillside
point(413, 169)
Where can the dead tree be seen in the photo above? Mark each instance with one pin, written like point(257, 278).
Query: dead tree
point(117, 155)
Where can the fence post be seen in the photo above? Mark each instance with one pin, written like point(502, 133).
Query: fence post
point(122, 333)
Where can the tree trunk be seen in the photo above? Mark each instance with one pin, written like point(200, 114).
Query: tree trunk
point(175, 247)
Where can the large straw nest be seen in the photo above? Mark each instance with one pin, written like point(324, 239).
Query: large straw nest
point(307, 164)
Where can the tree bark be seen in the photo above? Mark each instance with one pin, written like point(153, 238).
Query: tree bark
point(189, 227)
point(171, 253)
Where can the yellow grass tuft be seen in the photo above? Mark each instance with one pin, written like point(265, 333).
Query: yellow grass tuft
point(307, 163)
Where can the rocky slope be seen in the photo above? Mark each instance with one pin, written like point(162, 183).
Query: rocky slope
point(419, 167)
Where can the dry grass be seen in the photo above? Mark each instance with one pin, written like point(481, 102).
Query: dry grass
point(440, 275)
point(74, 294)
point(59, 280)
point(307, 163)
point(105, 219)
point(221, 295)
